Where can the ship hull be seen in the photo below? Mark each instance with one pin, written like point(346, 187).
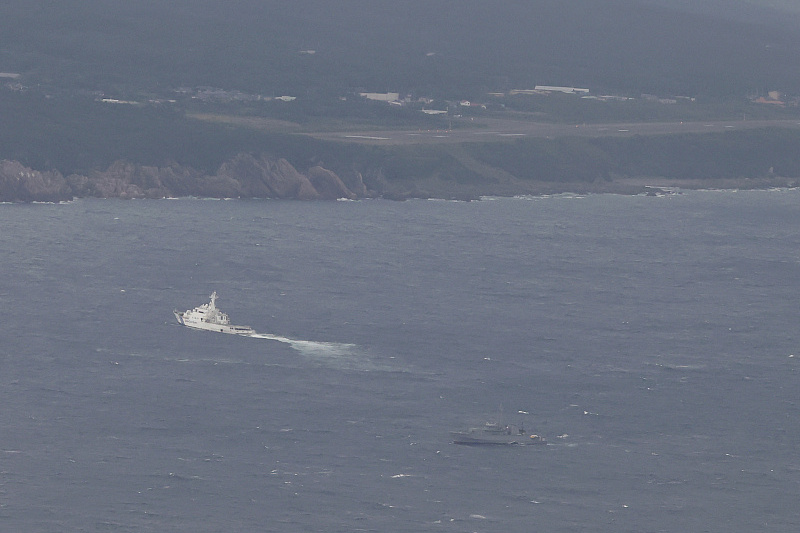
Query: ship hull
point(210, 326)
point(495, 435)
point(471, 440)
point(468, 439)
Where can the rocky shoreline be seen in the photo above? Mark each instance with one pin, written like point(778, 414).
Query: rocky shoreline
point(244, 176)
point(249, 176)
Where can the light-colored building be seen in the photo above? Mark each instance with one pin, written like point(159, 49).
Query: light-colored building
point(769, 101)
point(115, 101)
point(382, 97)
point(555, 89)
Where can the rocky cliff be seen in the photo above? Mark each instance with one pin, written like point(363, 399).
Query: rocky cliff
point(244, 176)
point(19, 183)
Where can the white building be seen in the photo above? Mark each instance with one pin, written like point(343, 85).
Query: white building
point(382, 97)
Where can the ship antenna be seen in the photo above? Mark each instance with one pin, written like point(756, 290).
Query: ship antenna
point(213, 298)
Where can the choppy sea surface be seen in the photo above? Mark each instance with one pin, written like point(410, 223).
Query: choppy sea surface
point(652, 340)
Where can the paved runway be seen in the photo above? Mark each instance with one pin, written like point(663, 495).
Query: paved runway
point(504, 129)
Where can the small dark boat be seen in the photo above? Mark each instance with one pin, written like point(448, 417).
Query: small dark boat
point(496, 434)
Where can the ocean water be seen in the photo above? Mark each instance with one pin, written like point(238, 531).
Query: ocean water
point(652, 340)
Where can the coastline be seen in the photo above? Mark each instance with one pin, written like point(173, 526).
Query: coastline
point(327, 170)
point(622, 186)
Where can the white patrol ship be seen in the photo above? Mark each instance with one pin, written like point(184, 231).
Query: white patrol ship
point(208, 317)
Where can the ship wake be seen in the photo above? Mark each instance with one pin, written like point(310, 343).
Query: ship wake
point(336, 354)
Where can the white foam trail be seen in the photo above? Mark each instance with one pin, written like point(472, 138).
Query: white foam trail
point(334, 353)
point(311, 347)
